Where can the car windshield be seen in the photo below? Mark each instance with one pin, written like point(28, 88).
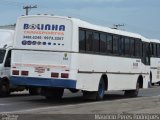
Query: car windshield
point(2, 54)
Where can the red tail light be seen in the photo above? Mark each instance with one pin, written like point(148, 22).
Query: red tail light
point(64, 75)
point(25, 73)
point(55, 75)
point(15, 72)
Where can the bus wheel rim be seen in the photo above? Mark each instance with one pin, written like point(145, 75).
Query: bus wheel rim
point(101, 90)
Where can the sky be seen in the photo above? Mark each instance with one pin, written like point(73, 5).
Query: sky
point(138, 16)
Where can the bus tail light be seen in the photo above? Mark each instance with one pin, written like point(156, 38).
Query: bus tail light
point(64, 75)
point(55, 75)
point(25, 73)
point(15, 72)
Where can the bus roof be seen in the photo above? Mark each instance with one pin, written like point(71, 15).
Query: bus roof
point(155, 40)
point(87, 25)
point(6, 38)
point(84, 24)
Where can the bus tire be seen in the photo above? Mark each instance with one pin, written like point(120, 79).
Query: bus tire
point(150, 76)
point(98, 95)
point(133, 93)
point(53, 93)
point(101, 90)
point(73, 90)
point(4, 89)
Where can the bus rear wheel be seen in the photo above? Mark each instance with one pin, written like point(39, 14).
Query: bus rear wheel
point(98, 95)
point(53, 93)
point(34, 91)
point(133, 93)
point(101, 90)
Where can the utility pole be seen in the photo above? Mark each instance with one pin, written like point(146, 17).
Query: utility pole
point(27, 8)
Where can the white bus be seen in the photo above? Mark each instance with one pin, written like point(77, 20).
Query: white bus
point(6, 43)
point(57, 53)
point(155, 61)
point(6, 46)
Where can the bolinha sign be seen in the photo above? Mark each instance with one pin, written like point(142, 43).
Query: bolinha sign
point(43, 33)
point(44, 27)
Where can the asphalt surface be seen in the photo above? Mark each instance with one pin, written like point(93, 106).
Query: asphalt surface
point(24, 101)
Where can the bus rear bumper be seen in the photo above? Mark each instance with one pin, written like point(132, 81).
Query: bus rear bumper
point(43, 82)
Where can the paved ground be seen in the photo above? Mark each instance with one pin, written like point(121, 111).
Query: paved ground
point(114, 102)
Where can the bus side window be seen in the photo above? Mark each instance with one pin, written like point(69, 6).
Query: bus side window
point(115, 44)
point(103, 43)
point(82, 40)
point(154, 50)
point(137, 48)
point(159, 50)
point(121, 45)
point(146, 54)
point(89, 40)
point(109, 43)
point(8, 59)
point(96, 42)
point(132, 47)
point(143, 53)
point(127, 46)
point(152, 46)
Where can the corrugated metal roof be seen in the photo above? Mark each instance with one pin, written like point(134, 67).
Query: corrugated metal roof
point(10, 27)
